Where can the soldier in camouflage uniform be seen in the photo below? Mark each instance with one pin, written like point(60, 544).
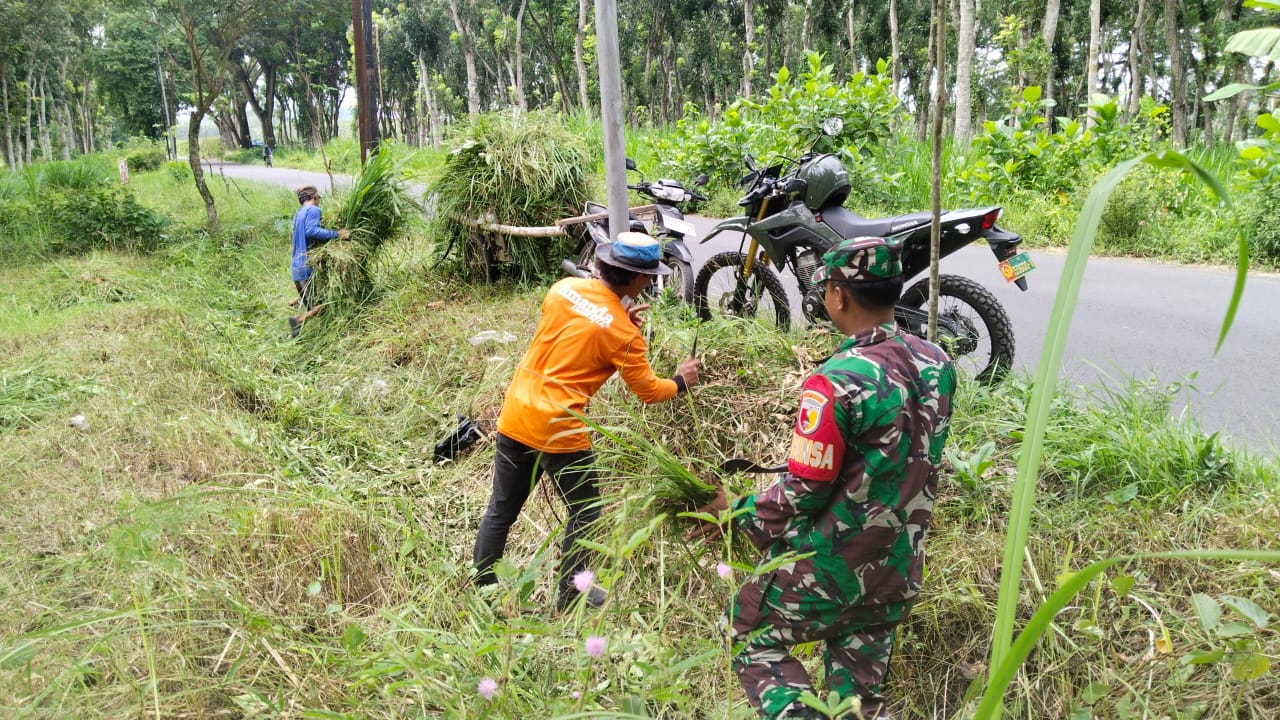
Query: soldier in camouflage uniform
point(857, 498)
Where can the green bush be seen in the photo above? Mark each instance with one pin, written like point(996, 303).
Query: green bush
point(80, 174)
point(179, 170)
point(1260, 220)
point(145, 159)
point(1147, 196)
point(104, 216)
point(785, 122)
point(524, 169)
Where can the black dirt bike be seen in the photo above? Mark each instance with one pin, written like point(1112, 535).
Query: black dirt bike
point(794, 214)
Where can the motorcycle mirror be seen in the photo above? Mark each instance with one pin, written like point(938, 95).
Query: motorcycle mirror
point(631, 164)
point(832, 126)
point(701, 180)
point(750, 161)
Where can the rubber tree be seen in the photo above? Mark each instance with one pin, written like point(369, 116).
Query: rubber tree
point(211, 30)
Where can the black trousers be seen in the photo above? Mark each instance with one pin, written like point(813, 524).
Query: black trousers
point(516, 469)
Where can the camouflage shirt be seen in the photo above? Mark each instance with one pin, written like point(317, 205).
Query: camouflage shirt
point(863, 470)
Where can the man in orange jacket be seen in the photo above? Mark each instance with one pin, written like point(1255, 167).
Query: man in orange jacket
point(589, 330)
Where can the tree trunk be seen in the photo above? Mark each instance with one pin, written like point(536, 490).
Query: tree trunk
point(939, 112)
point(64, 117)
point(580, 54)
point(966, 42)
point(264, 110)
point(240, 118)
point(29, 141)
point(469, 58)
point(805, 26)
point(46, 143)
point(748, 44)
point(1091, 64)
point(1233, 105)
point(1137, 49)
point(850, 38)
point(9, 155)
point(193, 160)
point(86, 116)
point(893, 44)
point(1177, 79)
point(1049, 33)
point(518, 58)
point(922, 94)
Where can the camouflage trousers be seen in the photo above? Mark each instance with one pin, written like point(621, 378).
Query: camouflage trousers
point(772, 613)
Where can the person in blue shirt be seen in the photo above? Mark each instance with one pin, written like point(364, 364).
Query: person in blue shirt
point(307, 234)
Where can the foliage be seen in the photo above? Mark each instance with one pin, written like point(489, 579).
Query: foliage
point(73, 207)
point(104, 216)
point(785, 122)
point(523, 169)
point(145, 159)
point(1024, 151)
point(1007, 657)
point(179, 171)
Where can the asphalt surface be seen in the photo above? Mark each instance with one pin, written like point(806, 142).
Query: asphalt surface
point(1134, 320)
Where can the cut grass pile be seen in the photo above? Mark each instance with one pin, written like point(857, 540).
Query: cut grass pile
point(523, 169)
point(376, 211)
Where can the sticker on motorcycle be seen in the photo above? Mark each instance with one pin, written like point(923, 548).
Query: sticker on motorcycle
point(1016, 266)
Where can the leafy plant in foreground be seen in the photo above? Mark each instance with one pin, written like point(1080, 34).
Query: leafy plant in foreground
point(1006, 658)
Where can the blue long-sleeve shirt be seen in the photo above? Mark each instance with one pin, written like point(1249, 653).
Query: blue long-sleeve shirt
point(307, 230)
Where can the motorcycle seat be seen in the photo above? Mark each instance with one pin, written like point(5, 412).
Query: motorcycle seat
point(851, 225)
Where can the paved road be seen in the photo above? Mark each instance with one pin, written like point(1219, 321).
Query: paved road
point(278, 176)
point(1133, 319)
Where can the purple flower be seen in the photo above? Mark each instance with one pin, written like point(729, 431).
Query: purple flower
point(724, 571)
point(487, 688)
point(577, 695)
point(596, 646)
point(582, 580)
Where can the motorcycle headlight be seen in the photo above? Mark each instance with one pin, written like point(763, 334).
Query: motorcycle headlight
point(669, 192)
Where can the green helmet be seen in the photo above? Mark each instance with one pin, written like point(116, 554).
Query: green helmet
point(826, 182)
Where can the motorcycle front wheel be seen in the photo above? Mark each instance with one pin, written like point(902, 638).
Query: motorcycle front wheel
point(973, 326)
point(680, 282)
point(722, 290)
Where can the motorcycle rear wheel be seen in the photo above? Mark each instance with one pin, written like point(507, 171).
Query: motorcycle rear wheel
point(721, 290)
point(973, 326)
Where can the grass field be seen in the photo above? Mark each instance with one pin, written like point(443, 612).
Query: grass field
point(248, 526)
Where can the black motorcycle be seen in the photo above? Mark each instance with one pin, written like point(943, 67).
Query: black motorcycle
point(668, 226)
point(794, 214)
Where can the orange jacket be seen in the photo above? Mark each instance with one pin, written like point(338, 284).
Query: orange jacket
point(584, 337)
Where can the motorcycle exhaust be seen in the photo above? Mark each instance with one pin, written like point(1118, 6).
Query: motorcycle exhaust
point(573, 270)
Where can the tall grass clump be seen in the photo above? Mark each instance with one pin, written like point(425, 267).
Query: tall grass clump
point(525, 169)
point(375, 212)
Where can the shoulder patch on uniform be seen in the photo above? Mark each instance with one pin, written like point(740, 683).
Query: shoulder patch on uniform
point(817, 447)
point(811, 404)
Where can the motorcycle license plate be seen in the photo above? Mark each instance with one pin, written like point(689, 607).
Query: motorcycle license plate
point(1016, 266)
point(681, 227)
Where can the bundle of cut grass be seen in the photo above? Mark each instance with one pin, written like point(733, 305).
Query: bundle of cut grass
point(664, 481)
point(375, 211)
point(524, 169)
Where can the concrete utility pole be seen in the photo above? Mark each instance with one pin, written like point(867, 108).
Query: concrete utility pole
point(615, 153)
point(366, 84)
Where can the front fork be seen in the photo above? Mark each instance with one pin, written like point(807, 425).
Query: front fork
point(749, 263)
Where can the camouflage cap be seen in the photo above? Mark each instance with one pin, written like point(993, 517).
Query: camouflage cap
point(861, 259)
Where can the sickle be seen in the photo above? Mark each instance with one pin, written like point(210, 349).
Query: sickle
point(743, 465)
